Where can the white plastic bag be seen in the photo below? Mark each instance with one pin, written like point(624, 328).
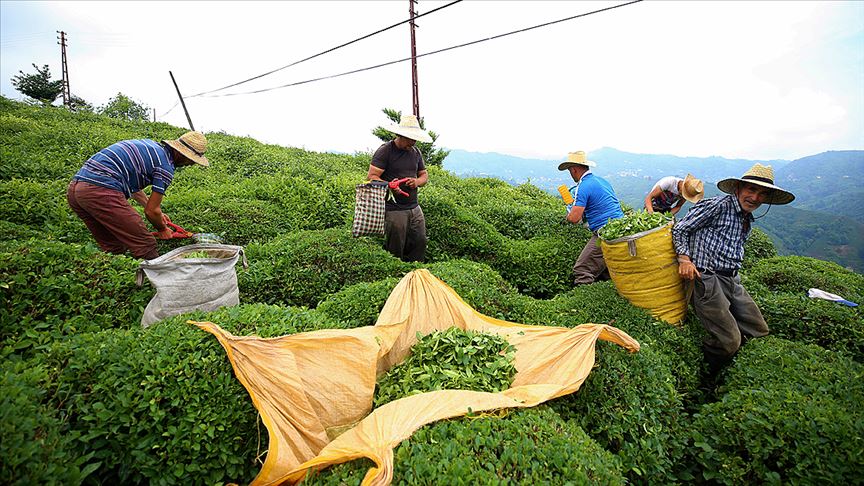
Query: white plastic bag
point(186, 281)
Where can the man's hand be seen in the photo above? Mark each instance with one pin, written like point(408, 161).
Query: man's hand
point(165, 234)
point(411, 182)
point(686, 269)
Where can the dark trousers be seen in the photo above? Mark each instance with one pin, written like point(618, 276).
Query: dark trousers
point(114, 224)
point(590, 266)
point(728, 314)
point(405, 234)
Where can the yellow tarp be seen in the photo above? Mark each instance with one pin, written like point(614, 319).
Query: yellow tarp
point(644, 268)
point(310, 387)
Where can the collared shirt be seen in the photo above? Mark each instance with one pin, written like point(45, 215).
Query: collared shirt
point(713, 233)
point(597, 197)
point(129, 166)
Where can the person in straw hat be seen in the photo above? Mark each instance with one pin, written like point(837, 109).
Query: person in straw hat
point(709, 242)
point(670, 194)
point(597, 203)
point(99, 192)
point(404, 223)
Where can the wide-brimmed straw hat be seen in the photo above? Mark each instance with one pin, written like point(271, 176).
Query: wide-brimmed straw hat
point(409, 127)
point(576, 158)
point(191, 145)
point(761, 175)
point(692, 189)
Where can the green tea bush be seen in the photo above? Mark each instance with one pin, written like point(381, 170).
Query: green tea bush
point(522, 446)
point(42, 206)
point(481, 287)
point(162, 405)
point(451, 359)
point(50, 289)
point(540, 267)
point(13, 231)
point(791, 414)
point(811, 321)
point(456, 232)
point(630, 406)
point(757, 248)
point(358, 305)
point(303, 268)
point(797, 274)
point(35, 448)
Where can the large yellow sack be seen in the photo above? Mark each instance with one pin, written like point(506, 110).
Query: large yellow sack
point(314, 390)
point(644, 268)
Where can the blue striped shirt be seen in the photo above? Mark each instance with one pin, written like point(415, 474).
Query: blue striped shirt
point(713, 233)
point(129, 166)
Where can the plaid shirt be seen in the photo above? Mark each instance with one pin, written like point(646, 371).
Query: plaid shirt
point(713, 233)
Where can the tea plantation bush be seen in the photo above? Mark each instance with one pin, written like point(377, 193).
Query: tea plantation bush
point(158, 405)
point(358, 305)
point(527, 446)
point(791, 413)
point(797, 274)
point(758, 247)
point(50, 290)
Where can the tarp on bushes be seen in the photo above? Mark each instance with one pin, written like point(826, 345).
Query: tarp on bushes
point(644, 269)
point(310, 387)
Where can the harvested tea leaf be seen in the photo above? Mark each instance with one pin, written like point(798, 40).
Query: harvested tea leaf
point(453, 360)
point(633, 223)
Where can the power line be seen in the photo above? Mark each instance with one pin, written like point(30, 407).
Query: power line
point(546, 24)
point(323, 52)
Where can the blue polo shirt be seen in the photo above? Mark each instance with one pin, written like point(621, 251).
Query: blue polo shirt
point(129, 166)
point(599, 200)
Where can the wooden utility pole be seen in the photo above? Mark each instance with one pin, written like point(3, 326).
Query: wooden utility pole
point(67, 95)
point(414, 90)
point(188, 118)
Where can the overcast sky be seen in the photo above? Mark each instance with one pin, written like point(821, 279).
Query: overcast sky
point(758, 80)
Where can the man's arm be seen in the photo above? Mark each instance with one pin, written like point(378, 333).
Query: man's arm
point(677, 207)
point(575, 214)
point(420, 180)
point(141, 198)
point(374, 173)
point(649, 205)
point(154, 214)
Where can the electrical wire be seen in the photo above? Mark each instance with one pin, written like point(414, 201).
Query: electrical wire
point(322, 53)
point(546, 24)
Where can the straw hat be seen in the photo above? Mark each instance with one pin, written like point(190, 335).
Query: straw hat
point(409, 127)
point(576, 158)
point(692, 189)
point(191, 145)
point(761, 175)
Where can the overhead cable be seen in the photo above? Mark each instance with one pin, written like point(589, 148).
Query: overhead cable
point(424, 54)
point(323, 52)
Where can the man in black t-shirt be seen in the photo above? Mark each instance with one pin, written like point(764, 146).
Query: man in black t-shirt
point(404, 223)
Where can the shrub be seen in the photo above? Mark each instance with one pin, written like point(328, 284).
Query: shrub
point(758, 247)
point(52, 289)
point(303, 268)
point(797, 274)
point(161, 405)
point(42, 206)
point(358, 305)
point(524, 446)
point(629, 405)
point(791, 413)
point(455, 232)
point(540, 267)
point(481, 287)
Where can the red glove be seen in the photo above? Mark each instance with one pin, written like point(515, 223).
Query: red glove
point(394, 186)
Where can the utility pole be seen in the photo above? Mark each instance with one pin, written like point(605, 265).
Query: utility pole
point(188, 118)
point(414, 89)
point(67, 95)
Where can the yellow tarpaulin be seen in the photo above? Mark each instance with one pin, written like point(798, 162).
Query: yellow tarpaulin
point(310, 387)
point(644, 269)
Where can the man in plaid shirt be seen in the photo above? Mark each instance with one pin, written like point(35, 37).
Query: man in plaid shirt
point(709, 242)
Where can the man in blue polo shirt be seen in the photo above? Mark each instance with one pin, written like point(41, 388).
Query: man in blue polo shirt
point(100, 190)
point(596, 201)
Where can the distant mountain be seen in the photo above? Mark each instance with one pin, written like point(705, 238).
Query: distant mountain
point(824, 221)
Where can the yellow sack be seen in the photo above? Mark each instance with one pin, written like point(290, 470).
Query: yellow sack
point(644, 268)
point(311, 387)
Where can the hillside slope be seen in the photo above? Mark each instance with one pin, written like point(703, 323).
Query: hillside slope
point(90, 397)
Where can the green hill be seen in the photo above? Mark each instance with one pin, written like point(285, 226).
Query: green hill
point(89, 396)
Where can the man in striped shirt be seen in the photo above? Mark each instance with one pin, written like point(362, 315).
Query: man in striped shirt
point(100, 190)
point(709, 242)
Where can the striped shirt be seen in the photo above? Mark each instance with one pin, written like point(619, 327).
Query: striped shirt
point(129, 166)
point(713, 233)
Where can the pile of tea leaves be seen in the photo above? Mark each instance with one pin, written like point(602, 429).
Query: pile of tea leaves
point(633, 223)
point(450, 360)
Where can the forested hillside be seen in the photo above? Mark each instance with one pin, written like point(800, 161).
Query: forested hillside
point(88, 396)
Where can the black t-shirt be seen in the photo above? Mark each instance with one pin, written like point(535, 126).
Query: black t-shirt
point(398, 163)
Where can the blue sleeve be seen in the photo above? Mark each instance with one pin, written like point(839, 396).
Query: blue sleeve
point(582, 194)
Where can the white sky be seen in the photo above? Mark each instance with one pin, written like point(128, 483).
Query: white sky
point(737, 79)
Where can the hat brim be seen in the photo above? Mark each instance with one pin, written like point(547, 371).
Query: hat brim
point(185, 152)
point(778, 196)
point(567, 165)
point(415, 134)
point(692, 198)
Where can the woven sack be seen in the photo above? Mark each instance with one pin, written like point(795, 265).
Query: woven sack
point(369, 209)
